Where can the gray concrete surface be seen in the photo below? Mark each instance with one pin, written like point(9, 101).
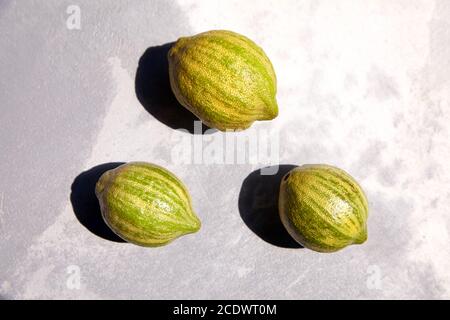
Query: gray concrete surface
point(364, 86)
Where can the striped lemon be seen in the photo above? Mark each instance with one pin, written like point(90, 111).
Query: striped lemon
point(224, 78)
point(145, 204)
point(323, 208)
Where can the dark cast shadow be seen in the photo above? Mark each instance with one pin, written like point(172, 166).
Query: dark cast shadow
point(258, 206)
point(152, 86)
point(85, 204)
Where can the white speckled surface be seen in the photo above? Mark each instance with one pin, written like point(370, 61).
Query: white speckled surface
point(362, 85)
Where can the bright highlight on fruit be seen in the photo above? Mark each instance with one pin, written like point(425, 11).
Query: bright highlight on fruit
point(323, 208)
point(145, 204)
point(224, 78)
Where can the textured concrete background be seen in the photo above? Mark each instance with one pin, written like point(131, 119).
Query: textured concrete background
point(362, 85)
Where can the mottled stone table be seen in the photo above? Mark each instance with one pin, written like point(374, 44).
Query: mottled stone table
point(361, 85)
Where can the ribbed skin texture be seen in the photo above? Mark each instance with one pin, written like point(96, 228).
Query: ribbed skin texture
point(145, 204)
point(323, 208)
point(224, 78)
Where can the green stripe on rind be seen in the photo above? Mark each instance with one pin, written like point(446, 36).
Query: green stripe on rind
point(161, 175)
point(205, 111)
point(343, 178)
point(235, 91)
point(221, 99)
point(209, 116)
point(214, 103)
point(204, 81)
point(139, 185)
point(244, 41)
point(322, 230)
point(254, 88)
point(122, 212)
point(305, 210)
point(125, 190)
point(219, 50)
point(328, 190)
point(230, 49)
point(237, 46)
point(145, 204)
point(207, 108)
point(192, 64)
point(333, 218)
point(307, 239)
point(260, 66)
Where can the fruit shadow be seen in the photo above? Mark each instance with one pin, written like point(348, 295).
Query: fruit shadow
point(258, 205)
point(152, 87)
point(85, 204)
